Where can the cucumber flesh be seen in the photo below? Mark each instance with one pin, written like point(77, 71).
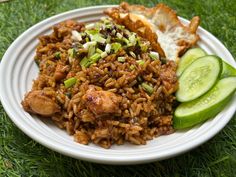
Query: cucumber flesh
point(227, 70)
point(188, 58)
point(198, 78)
point(207, 106)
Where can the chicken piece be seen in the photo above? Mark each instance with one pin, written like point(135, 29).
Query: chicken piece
point(38, 103)
point(102, 102)
point(160, 25)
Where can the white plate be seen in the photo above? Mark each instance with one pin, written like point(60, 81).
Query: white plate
point(17, 70)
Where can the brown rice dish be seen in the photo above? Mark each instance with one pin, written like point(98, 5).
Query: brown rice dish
point(103, 83)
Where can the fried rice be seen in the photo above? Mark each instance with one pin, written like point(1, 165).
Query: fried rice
point(124, 96)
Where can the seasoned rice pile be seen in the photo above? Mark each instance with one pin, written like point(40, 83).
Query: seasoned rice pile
point(124, 96)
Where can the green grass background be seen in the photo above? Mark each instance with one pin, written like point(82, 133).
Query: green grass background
point(21, 156)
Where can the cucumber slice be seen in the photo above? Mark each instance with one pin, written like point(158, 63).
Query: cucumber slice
point(207, 106)
point(228, 70)
point(198, 78)
point(188, 58)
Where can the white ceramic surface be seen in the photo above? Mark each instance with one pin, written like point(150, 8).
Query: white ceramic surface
point(17, 70)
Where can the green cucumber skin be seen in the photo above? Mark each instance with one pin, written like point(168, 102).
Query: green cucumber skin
point(190, 56)
point(178, 97)
point(187, 121)
point(200, 116)
point(228, 70)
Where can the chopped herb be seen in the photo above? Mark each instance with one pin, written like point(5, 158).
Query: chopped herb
point(70, 82)
point(98, 38)
point(120, 36)
point(57, 55)
point(115, 46)
point(103, 54)
point(144, 47)
point(132, 54)
point(87, 44)
point(154, 55)
point(91, 50)
point(149, 89)
point(76, 35)
point(140, 62)
point(121, 59)
point(132, 67)
point(99, 50)
point(95, 57)
point(72, 53)
point(108, 48)
point(83, 62)
point(133, 39)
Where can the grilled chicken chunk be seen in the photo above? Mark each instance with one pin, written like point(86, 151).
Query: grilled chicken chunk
point(102, 102)
point(38, 103)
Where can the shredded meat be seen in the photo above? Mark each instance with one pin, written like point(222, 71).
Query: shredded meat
point(102, 102)
point(36, 102)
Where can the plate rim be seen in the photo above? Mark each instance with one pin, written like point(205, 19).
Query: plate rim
point(98, 159)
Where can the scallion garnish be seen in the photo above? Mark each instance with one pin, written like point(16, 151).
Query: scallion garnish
point(149, 89)
point(121, 59)
point(132, 54)
point(83, 62)
point(103, 54)
point(115, 46)
point(132, 67)
point(132, 39)
point(108, 48)
point(72, 53)
point(76, 36)
point(99, 50)
point(95, 57)
point(154, 55)
point(57, 55)
point(140, 62)
point(98, 38)
point(70, 82)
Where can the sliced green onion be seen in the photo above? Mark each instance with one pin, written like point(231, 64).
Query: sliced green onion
point(108, 48)
point(70, 82)
point(121, 59)
point(132, 54)
point(149, 89)
point(87, 44)
point(154, 55)
point(98, 38)
point(83, 62)
point(115, 46)
point(144, 47)
point(108, 40)
point(132, 67)
point(57, 55)
point(72, 53)
point(91, 50)
point(120, 36)
point(127, 41)
point(76, 35)
point(103, 54)
point(99, 50)
point(95, 57)
point(140, 62)
point(133, 39)
point(113, 32)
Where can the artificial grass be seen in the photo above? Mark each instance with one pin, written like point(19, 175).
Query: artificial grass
point(21, 156)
